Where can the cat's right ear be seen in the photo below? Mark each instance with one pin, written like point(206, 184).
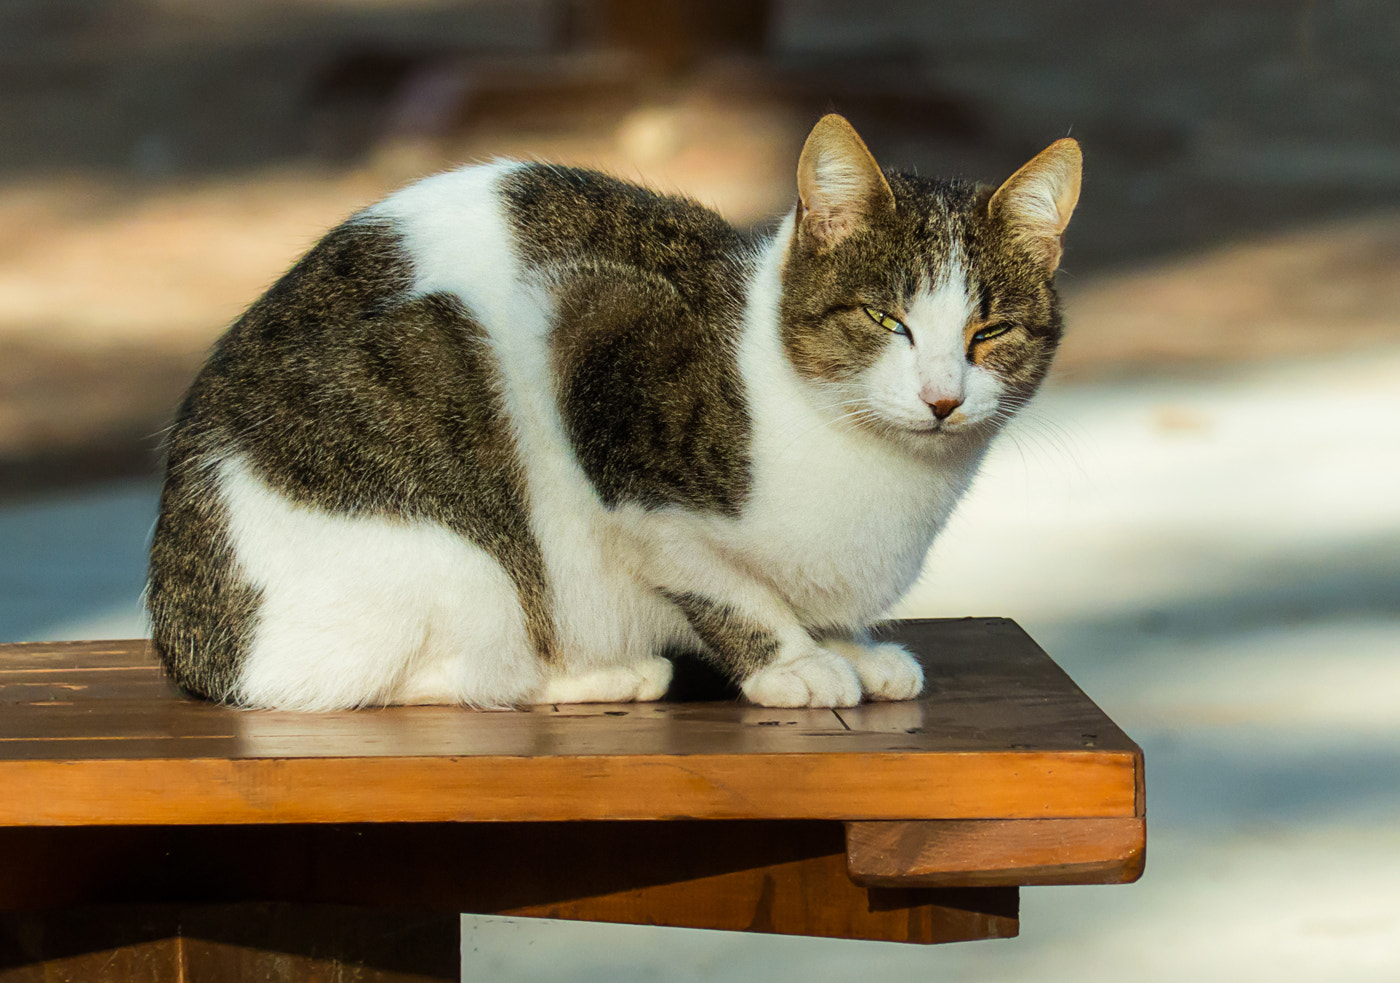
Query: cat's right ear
point(1037, 201)
point(839, 185)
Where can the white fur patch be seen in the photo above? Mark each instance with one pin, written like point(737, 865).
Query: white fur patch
point(937, 318)
point(458, 235)
point(359, 611)
point(908, 379)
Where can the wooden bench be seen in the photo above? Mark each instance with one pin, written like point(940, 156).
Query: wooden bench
point(144, 835)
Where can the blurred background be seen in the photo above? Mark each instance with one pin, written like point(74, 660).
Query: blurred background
point(1199, 518)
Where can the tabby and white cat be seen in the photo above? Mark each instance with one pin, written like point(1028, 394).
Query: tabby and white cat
point(509, 434)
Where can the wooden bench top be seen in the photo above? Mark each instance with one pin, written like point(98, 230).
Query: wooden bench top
point(92, 733)
point(913, 822)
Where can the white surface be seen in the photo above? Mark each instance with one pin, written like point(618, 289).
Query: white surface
point(1216, 562)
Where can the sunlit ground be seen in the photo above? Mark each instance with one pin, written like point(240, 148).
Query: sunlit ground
point(1217, 562)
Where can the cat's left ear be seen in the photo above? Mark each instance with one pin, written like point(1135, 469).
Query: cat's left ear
point(1038, 200)
point(839, 184)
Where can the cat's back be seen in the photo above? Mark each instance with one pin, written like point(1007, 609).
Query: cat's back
point(555, 287)
point(571, 215)
point(541, 266)
point(478, 229)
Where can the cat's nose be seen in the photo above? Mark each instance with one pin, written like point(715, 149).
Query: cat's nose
point(943, 408)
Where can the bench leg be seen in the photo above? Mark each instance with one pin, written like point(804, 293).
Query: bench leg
point(215, 943)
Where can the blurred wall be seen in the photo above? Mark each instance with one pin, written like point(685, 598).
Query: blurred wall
point(162, 160)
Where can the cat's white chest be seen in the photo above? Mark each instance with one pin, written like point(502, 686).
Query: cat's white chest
point(839, 524)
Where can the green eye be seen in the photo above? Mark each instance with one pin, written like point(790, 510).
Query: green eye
point(991, 332)
point(886, 322)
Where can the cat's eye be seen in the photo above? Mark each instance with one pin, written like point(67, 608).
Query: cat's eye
point(991, 331)
point(886, 322)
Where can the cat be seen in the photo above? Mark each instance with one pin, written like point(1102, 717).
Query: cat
point(509, 434)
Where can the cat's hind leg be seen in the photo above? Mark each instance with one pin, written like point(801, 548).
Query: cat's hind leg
point(478, 651)
point(364, 610)
point(423, 617)
point(635, 682)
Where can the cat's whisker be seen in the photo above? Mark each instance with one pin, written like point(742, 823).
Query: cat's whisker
point(823, 424)
point(1020, 452)
point(863, 413)
point(1052, 437)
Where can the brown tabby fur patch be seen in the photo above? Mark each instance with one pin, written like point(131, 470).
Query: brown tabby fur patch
point(649, 309)
point(343, 395)
point(734, 645)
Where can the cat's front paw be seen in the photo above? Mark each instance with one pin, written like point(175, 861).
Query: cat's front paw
point(887, 671)
point(817, 678)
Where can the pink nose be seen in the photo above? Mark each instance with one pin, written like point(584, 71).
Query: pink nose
point(943, 408)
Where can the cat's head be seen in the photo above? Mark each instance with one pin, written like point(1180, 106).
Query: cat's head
point(923, 309)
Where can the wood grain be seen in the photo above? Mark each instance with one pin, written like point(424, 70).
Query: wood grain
point(990, 852)
point(811, 897)
point(809, 786)
point(91, 733)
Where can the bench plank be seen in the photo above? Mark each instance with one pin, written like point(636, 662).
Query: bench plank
point(994, 852)
point(91, 733)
